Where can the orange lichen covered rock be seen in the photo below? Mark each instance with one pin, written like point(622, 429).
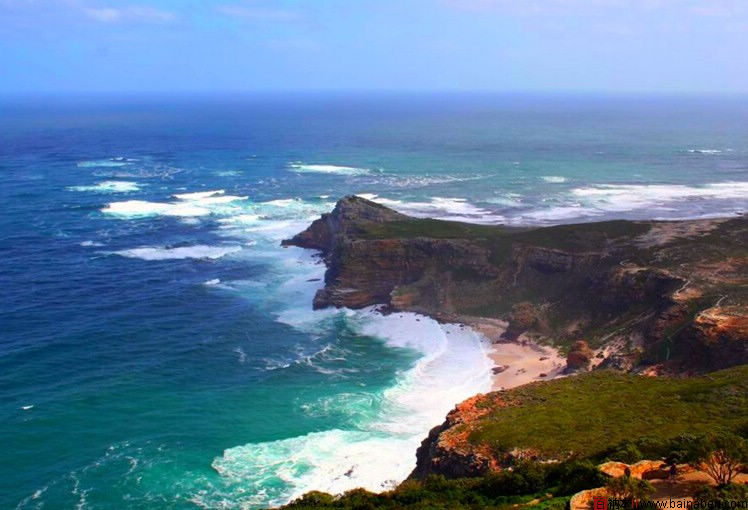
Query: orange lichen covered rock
point(447, 449)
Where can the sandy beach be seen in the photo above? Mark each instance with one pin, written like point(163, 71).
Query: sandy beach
point(519, 362)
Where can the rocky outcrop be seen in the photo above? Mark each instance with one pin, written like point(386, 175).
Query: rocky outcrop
point(570, 417)
point(447, 450)
point(717, 337)
point(646, 286)
point(579, 357)
point(350, 217)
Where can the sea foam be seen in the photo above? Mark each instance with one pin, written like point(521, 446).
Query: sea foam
point(182, 252)
point(200, 203)
point(327, 169)
point(378, 452)
point(555, 179)
point(109, 187)
point(443, 208)
point(111, 162)
point(673, 201)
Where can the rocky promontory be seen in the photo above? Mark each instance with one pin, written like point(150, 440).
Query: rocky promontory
point(640, 293)
point(616, 297)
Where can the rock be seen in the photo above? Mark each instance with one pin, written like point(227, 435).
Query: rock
point(523, 317)
point(579, 357)
point(562, 283)
point(716, 338)
point(499, 369)
point(447, 451)
point(621, 361)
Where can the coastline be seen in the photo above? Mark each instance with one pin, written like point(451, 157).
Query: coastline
point(515, 362)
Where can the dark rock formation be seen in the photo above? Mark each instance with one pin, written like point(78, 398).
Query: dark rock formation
point(669, 294)
point(646, 285)
point(579, 357)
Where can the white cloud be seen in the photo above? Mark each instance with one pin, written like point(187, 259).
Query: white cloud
point(251, 12)
point(128, 13)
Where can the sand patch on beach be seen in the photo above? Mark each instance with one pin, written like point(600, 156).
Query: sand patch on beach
point(521, 363)
point(516, 363)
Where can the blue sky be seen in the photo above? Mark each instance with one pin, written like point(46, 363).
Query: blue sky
point(497, 45)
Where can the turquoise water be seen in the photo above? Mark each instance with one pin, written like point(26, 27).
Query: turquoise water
point(158, 347)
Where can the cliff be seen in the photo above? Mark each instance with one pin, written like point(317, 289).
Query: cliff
point(589, 416)
point(634, 296)
point(654, 292)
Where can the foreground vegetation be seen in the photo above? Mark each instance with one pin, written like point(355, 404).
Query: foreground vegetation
point(585, 420)
point(545, 486)
point(605, 413)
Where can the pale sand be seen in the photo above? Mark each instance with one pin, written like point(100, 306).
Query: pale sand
point(526, 361)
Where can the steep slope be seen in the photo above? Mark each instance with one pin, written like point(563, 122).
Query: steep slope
point(674, 292)
point(583, 416)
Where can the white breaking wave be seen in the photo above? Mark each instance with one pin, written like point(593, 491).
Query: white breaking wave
point(198, 251)
point(112, 162)
point(453, 366)
point(705, 151)
point(209, 197)
point(327, 169)
point(141, 208)
point(200, 203)
point(109, 187)
point(668, 199)
point(627, 197)
point(415, 181)
point(556, 179)
point(506, 200)
point(91, 243)
point(456, 209)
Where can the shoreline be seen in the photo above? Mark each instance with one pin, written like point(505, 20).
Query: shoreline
point(515, 362)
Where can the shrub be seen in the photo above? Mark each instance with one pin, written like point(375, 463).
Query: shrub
point(313, 499)
point(627, 452)
point(628, 488)
point(726, 494)
point(524, 478)
point(721, 455)
point(573, 476)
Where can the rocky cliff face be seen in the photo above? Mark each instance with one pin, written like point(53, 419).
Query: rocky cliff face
point(671, 294)
point(666, 292)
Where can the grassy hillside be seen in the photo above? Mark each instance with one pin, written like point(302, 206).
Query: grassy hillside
point(598, 416)
point(589, 414)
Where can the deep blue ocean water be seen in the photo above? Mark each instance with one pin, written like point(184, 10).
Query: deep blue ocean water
point(158, 348)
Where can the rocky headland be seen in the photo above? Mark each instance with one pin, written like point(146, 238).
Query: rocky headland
point(613, 297)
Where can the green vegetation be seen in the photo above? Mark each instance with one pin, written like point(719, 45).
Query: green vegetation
point(542, 486)
point(590, 415)
point(436, 229)
point(628, 488)
point(577, 237)
point(722, 454)
point(730, 496)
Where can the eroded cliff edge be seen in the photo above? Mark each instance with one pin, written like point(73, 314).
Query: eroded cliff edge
point(632, 296)
point(672, 294)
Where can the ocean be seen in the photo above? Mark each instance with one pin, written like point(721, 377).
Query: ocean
point(158, 347)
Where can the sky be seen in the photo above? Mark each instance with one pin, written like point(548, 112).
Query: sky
point(637, 46)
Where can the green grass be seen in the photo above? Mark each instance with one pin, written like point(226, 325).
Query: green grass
point(591, 413)
point(577, 237)
point(436, 229)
